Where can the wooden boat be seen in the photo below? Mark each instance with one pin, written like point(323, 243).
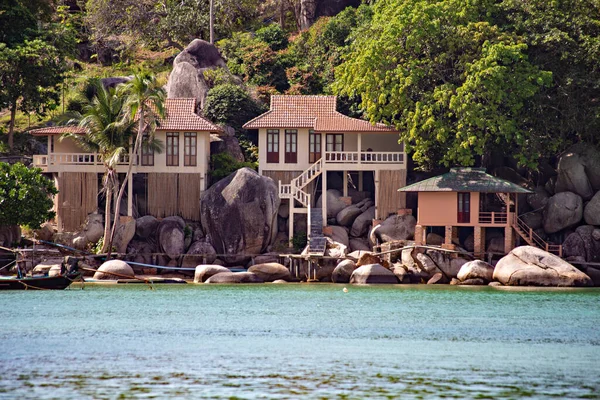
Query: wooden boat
point(43, 282)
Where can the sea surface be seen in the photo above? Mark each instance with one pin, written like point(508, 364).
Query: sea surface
point(298, 341)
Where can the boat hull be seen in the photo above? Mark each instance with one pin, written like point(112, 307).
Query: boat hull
point(38, 283)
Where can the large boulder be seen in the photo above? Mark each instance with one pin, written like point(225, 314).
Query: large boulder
point(359, 244)
point(534, 220)
point(335, 203)
point(187, 77)
point(199, 252)
point(124, 233)
point(140, 251)
point(343, 271)
point(584, 243)
point(339, 234)
point(347, 215)
point(530, 266)
point(228, 144)
point(538, 199)
point(239, 214)
point(46, 232)
point(564, 210)
point(572, 176)
point(203, 272)
point(396, 227)
point(362, 222)
point(171, 238)
point(270, 272)
point(372, 274)
point(146, 227)
point(9, 235)
point(234, 277)
point(591, 213)
point(94, 227)
point(476, 269)
point(335, 249)
point(109, 268)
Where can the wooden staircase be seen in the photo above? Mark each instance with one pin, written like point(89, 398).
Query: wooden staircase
point(317, 242)
point(532, 238)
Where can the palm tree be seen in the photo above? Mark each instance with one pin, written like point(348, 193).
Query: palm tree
point(107, 134)
point(144, 101)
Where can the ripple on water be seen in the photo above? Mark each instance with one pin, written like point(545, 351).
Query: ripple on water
point(300, 341)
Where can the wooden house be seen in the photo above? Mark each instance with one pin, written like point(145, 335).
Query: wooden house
point(162, 184)
point(303, 140)
point(469, 198)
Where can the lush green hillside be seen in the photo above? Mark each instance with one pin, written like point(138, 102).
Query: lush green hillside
point(461, 80)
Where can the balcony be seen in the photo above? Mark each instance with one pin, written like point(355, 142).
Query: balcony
point(493, 218)
point(74, 162)
point(367, 160)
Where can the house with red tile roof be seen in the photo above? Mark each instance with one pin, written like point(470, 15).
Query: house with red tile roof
point(308, 147)
point(162, 184)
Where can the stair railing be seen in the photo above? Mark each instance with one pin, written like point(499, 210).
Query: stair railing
point(532, 238)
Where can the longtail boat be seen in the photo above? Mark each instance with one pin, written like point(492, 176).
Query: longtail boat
point(43, 282)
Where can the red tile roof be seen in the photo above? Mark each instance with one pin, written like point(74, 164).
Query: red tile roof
point(316, 112)
point(57, 130)
point(180, 116)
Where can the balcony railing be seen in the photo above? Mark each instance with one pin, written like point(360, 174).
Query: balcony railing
point(499, 218)
point(73, 159)
point(285, 191)
point(363, 157)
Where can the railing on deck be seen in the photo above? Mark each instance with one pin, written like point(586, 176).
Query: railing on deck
point(363, 157)
point(285, 191)
point(500, 218)
point(534, 239)
point(73, 159)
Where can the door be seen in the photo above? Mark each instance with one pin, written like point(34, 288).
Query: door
point(291, 146)
point(314, 147)
point(272, 145)
point(464, 208)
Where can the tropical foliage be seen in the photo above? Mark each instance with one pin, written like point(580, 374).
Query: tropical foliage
point(25, 196)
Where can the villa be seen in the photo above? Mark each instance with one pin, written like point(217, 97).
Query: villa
point(162, 184)
point(305, 143)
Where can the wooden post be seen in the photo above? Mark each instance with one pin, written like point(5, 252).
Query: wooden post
point(377, 216)
point(359, 148)
point(324, 197)
point(345, 183)
point(291, 221)
point(360, 181)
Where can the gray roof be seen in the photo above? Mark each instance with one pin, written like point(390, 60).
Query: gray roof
point(465, 180)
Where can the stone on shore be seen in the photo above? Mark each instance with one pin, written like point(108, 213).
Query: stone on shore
point(203, 272)
point(530, 266)
point(234, 277)
point(343, 271)
point(197, 253)
point(114, 266)
point(372, 274)
point(591, 213)
point(146, 226)
point(335, 203)
point(476, 269)
point(347, 216)
point(362, 222)
point(397, 227)
point(564, 210)
point(270, 272)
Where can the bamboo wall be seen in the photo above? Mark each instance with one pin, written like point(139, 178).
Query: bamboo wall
point(174, 194)
point(77, 197)
point(388, 198)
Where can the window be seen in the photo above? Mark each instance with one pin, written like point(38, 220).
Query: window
point(172, 149)
point(272, 145)
point(335, 142)
point(147, 153)
point(464, 208)
point(189, 149)
point(291, 146)
point(314, 146)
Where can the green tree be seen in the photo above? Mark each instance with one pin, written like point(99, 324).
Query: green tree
point(230, 104)
point(108, 134)
point(454, 84)
point(25, 196)
point(144, 101)
point(562, 37)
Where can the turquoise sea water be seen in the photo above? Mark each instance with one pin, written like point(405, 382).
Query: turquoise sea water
point(299, 341)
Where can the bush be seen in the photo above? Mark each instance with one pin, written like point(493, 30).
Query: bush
point(223, 164)
point(274, 36)
point(25, 196)
point(230, 104)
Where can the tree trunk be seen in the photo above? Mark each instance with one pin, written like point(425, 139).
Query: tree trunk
point(132, 157)
point(308, 9)
point(109, 196)
point(11, 126)
point(211, 18)
point(282, 14)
